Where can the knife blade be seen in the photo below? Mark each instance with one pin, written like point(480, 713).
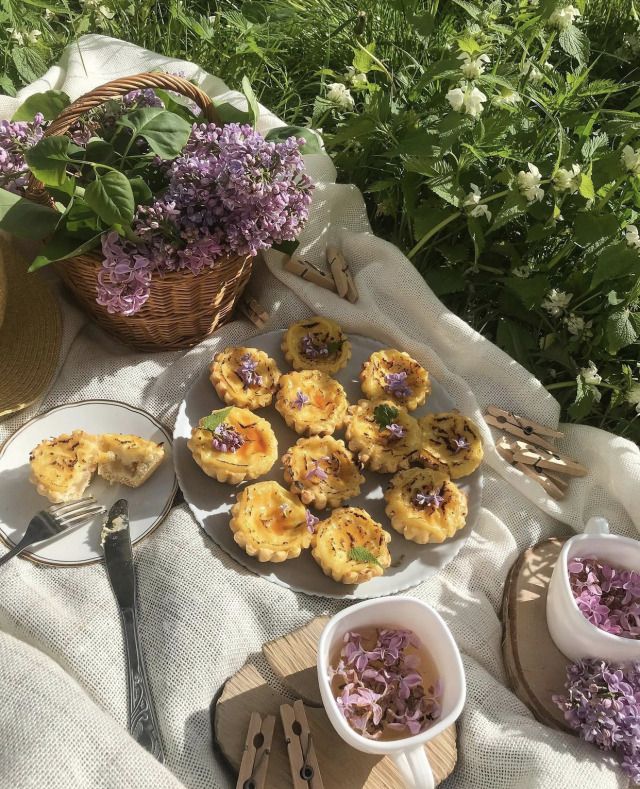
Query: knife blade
point(118, 554)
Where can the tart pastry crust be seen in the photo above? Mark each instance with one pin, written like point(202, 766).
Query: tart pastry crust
point(393, 375)
point(322, 471)
point(376, 447)
point(316, 344)
point(311, 402)
point(128, 460)
point(345, 530)
point(452, 442)
point(256, 456)
point(255, 389)
point(62, 467)
point(270, 523)
point(424, 505)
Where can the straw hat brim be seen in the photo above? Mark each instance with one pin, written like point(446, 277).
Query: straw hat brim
point(30, 333)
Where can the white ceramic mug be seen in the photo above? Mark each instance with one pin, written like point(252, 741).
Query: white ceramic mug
point(411, 614)
point(574, 635)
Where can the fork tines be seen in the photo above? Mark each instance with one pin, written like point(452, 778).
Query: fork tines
point(71, 512)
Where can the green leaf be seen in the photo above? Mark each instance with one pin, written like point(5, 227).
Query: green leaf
point(230, 114)
point(252, 102)
point(516, 340)
point(362, 555)
point(531, 291)
point(586, 187)
point(80, 218)
point(142, 194)
point(24, 218)
point(619, 331)
point(6, 84)
point(63, 246)
point(586, 396)
point(589, 228)
point(311, 140)
point(215, 419)
point(111, 197)
point(50, 104)
point(362, 59)
point(165, 132)
point(29, 63)
point(615, 261)
point(575, 43)
point(100, 151)
point(48, 160)
point(384, 415)
point(514, 205)
point(444, 281)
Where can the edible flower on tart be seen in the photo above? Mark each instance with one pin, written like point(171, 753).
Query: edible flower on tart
point(311, 402)
point(424, 505)
point(233, 444)
point(350, 546)
point(384, 435)
point(451, 442)
point(322, 471)
point(244, 377)
point(316, 344)
point(62, 467)
point(393, 375)
point(271, 523)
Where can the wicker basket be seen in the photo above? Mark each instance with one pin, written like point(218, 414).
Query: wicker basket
point(182, 308)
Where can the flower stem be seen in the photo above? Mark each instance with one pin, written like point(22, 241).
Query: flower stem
point(430, 233)
point(609, 194)
point(560, 385)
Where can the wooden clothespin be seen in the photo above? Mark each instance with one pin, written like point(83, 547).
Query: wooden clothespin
point(553, 487)
point(257, 748)
point(518, 426)
point(309, 271)
point(342, 275)
point(542, 459)
point(303, 762)
point(254, 311)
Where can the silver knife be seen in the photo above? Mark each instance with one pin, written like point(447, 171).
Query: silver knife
point(116, 541)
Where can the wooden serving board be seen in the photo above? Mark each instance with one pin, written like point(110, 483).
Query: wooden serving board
point(292, 659)
point(536, 669)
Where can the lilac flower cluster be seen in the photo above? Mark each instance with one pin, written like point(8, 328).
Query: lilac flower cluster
point(227, 439)
point(313, 348)
point(311, 521)
point(457, 444)
point(396, 385)
point(396, 431)
point(16, 137)
point(603, 705)
point(432, 499)
point(381, 687)
point(246, 372)
point(316, 471)
point(301, 399)
point(231, 193)
point(608, 597)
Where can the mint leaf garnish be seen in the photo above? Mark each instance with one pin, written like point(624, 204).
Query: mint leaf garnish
point(334, 346)
point(360, 554)
point(216, 418)
point(384, 415)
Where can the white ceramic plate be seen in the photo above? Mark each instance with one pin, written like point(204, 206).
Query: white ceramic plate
point(19, 500)
point(211, 501)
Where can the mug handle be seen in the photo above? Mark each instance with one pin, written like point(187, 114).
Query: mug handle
point(414, 768)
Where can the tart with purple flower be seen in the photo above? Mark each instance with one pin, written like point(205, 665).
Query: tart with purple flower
point(450, 442)
point(350, 546)
point(271, 523)
point(394, 375)
point(244, 377)
point(311, 402)
point(384, 435)
point(316, 344)
point(424, 505)
point(233, 444)
point(322, 471)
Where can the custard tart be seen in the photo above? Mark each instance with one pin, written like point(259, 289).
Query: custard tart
point(270, 523)
point(394, 375)
point(233, 444)
point(450, 442)
point(322, 471)
point(384, 435)
point(350, 546)
point(244, 377)
point(62, 467)
point(311, 402)
point(424, 505)
point(316, 344)
point(128, 460)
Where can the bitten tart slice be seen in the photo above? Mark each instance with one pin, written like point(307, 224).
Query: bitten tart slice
point(233, 444)
point(350, 546)
point(128, 460)
point(451, 442)
point(394, 375)
point(316, 344)
point(311, 402)
point(244, 377)
point(270, 523)
point(384, 435)
point(62, 467)
point(322, 471)
point(424, 505)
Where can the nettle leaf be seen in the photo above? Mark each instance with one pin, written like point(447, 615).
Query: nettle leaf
point(444, 281)
point(48, 159)
point(311, 138)
point(589, 228)
point(165, 132)
point(252, 101)
point(111, 197)
point(215, 419)
point(50, 104)
point(362, 555)
point(514, 205)
point(384, 415)
point(29, 63)
point(531, 291)
point(619, 331)
point(575, 43)
point(586, 397)
point(615, 261)
point(24, 218)
point(586, 187)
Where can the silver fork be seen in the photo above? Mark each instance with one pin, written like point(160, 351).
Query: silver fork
point(58, 518)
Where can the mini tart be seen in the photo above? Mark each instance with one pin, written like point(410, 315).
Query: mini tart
point(439, 433)
point(323, 333)
point(383, 363)
point(349, 528)
point(270, 523)
point(62, 467)
point(428, 523)
point(374, 445)
point(325, 409)
point(253, 459)
point(231, 388)
point(128, 460)
point(331, 457)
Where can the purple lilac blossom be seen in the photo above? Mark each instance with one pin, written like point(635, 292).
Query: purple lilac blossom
point(316, 471)
point(227, 439)
point(396, 385)
point(247, 371)
point(396, 431)
point(16, 137)
point(313, 348)
point(432, 499)
point(311, 521)
point(457, 444)
point(301, 399)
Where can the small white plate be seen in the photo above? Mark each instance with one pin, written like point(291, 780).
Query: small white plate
point(19, 502)
point(211, 501)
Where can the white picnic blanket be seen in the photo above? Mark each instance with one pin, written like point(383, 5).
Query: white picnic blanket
point(62, 671)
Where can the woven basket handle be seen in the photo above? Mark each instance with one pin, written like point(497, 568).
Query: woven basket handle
point(113, 90)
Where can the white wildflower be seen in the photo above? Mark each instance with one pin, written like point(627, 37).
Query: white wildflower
point(354, 77)
point(455, 97)
point(567, 180)
point(507, 98)
point(472, 68)
point(631, 159)
point(590, 374)
point(521, 271)
point(16, 35)
point(556, 301)
point(576, 325)
point(531, 71)
point(631, 236)
point(465, 98)
point(529, 183)
point(472, 201)
point(633, 395)
point(33, 36)
point(340, 95)
point(562, 18)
